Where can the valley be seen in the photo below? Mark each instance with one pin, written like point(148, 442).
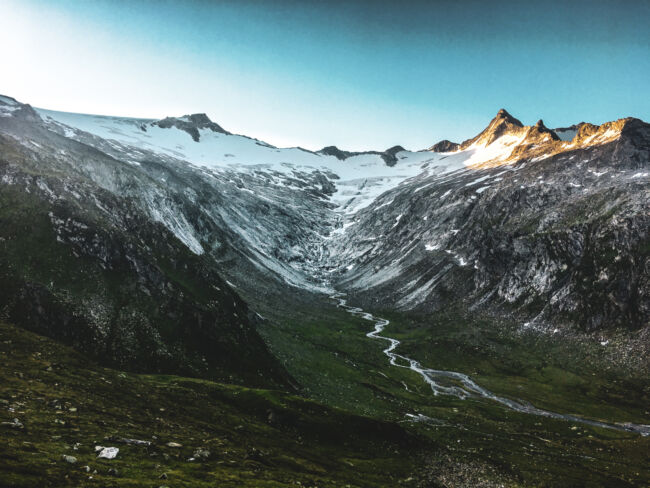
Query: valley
point(180, 261)
point(462, 386)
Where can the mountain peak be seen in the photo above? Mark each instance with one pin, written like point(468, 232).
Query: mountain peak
point(444, 146)
point(5, 100)
point(336, 152)
point(504, 116)
point(503, 123)
point(191, 124)
point(540, 132)
point(199, 119)
point(628, 128)
point(503, 113)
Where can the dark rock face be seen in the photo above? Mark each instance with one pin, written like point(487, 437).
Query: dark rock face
point(82, 261)
point(444, 146)
point(504, 117)
point(560, 240)
point(191, 124)
point(540, 128)
point(389, 155)
point(336, 152)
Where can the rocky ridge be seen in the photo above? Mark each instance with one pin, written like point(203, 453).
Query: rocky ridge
point(552, 232)
point(514, 221)
point(85, 261)
point(388, 156)
point(190, 124)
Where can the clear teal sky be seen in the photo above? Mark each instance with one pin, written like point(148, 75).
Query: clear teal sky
point(360, 75)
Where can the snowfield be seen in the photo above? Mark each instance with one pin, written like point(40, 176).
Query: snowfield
point(292, 212)
point(359, 179)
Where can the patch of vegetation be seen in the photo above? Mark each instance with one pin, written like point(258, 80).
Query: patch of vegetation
point(194, 432)
point(327, 351)
point(564, 376)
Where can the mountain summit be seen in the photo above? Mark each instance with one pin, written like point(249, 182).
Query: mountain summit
point(502, 124)
point(224, 258)
point(506, 140)
point(191, 124)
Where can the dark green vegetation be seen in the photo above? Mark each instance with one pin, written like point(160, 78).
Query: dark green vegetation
point(568, 375)
point(113, 283)
point(326, 349)
point(268, 438)
point(67, 405)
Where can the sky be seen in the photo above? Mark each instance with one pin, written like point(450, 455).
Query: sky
point(357, 74)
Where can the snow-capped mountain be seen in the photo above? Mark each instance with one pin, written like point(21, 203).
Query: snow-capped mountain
point(550, 225)
point(277, 205)
point(553, 232)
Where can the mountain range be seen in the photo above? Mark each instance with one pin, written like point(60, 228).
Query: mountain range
point(174, 247)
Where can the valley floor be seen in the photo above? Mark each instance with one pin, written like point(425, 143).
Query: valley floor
point(327, 350)
point(367, 423)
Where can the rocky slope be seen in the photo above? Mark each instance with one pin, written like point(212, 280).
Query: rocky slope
point(552, 232)
point(548, 227)
point(83, 262)
point(174, 431)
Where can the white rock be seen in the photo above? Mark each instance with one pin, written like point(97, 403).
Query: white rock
point(108, 452)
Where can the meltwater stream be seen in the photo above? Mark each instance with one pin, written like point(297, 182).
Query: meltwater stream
point(461, 385)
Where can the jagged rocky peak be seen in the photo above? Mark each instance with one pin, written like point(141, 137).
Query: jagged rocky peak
point(504, 116)
point(10, 107)
point(502, 124)
point(390, 155)
point(540, 133)
point(510, 141)
point(586, 134)
point(191, 124)
point(444, 146)
point(505, 120)
point(5, 100)
point(636, 129)
point(630, 128)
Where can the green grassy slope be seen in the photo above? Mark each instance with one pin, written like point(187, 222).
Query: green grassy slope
point(326, 350)
point(67, 405)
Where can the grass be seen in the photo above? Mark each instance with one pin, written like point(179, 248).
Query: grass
point(551, 374)
point(68, 405)
point(326, 350)
point(353, 431)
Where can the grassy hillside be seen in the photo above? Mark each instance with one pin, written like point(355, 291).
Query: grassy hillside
point(327, 351)
point(66, 405)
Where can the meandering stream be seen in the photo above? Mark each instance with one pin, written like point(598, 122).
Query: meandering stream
point(462, 386)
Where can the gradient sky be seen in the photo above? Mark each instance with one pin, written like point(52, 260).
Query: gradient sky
point(357, 74)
